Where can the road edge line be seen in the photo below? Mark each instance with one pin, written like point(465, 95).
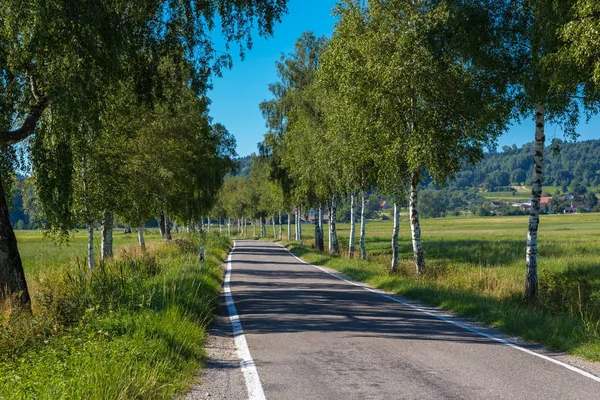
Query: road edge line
point(253, 384)
point(450, 321)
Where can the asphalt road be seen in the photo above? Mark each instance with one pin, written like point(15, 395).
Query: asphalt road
point(313, 336)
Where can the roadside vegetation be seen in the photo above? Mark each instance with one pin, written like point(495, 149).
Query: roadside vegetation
point(134, 327)
point(475, 269)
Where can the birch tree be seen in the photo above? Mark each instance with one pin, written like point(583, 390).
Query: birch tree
point(433, 107)
point(552, 76)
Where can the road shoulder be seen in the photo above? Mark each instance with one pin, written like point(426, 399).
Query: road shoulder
point(222, 377)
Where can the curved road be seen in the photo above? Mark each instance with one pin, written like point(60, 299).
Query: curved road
point(313, 336)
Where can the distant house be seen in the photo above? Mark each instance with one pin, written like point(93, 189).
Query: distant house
point(546, 205)
point(568, 196)
point(583, 204)
point(570, 210)
point(495, 204)
point(525, 207)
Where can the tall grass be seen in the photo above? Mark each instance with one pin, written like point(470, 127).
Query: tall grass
point(476, 267)
point(132, 328)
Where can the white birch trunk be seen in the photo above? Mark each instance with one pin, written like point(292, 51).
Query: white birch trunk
point(229, 226)
point(415, 226)
point(141, 239)
point(333, 224)
point(300, 227)
point(329, 232)
point(106, 243)
point(274, 227)
point(395, 253)
point(254, 228)
point(321, 234)
point(352, 228)
point(220, 225)
point(90, 257)
point(363, 250)
point(208, 224)
point(296, 224)
point(289, 224)
point(531, 280)
point(280, 227)
point(317, 238)
point(167, 227)
point(161, 225)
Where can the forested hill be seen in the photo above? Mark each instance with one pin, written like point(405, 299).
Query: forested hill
point(244, 164)
point(569, 164)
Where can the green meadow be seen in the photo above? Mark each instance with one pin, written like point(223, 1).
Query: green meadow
point(476, 267)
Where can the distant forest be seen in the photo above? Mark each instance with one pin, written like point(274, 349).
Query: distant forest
point(565, 165)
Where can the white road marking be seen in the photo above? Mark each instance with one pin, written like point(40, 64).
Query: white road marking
point(255, 389)
point(450, 321)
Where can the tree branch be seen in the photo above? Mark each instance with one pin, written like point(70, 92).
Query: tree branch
point(42, 102)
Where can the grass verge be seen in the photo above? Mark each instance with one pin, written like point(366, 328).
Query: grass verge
point(133, 328)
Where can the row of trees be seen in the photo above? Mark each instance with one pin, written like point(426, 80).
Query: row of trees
point(104, 103)
point(408, 90)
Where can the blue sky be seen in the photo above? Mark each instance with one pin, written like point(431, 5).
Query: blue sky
point(236, 95)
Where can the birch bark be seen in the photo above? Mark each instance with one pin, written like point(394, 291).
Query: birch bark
point(167, 227)
point(289, 224)
point(90, 247)
point(415, 226)
point(352, 228)
point(161, 225)
point(321, 243)
point(300, 239)
point(395, 254)
point(141, 239)
point(274, 227)
point(106, 245)
point(280, 227)
point(334, 247)
point(531, 281)
point(363, 250)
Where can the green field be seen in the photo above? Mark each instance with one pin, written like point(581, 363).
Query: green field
point(476, 266)
point(41, 255)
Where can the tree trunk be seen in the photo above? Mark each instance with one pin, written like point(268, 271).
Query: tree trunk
point(90, 258)
point(274, 227)
point(280, 227)
point(321, 243)
point(106, 245)
point(415, 226)
point(296, 224)
point(141, 238)
point(300, 227)
point(289, 226)
point(161, 225)
point(317, 233)
point(12, 276)
point(263, 221)
point(352, 228)
point(167, 226)
point(220, 225)
point(363, 250)
point(254, 228)
point(208, 224)
point(334, 246)
point(395, 254)
point(229, 226)
point(531, 281)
